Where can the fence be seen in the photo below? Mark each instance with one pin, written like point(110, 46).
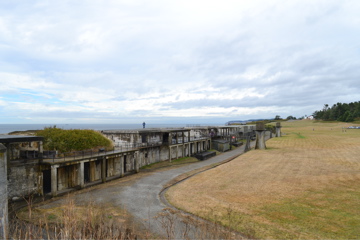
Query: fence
point(73, 155)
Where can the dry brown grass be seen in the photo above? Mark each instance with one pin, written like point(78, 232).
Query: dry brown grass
point(305, 185)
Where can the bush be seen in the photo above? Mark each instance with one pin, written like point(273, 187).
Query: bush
point(72, 140)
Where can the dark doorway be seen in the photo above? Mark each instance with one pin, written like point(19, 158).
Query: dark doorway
point(143, 138)
point(46, 181)
point(125, 170)
point(86, 172)
point(166, 137)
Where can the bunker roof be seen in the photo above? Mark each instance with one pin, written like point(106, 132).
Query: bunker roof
point(19, 138)
point(146, 130)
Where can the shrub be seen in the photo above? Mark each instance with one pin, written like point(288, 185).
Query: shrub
point(72, 140)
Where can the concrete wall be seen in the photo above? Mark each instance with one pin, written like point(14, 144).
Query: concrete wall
point(164, 153)
point(95, 170)
point(149, 156)
point(67, 177)
point(123, 138)
point(3, 193)
point(113, 166)
point(24, 180)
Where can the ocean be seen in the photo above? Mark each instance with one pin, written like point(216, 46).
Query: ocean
point(7, 128)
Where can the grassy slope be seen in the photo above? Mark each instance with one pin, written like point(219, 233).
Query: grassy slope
point(305, 185)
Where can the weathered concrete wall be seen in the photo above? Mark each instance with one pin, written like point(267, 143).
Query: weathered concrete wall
point(3, 194)
point(149, 156)
point(114, 166)
point(130, 163)
point(16, 150)
point(95, 170)
point(152, 137)
point(24, 180)
point(164, 153)
point(122, 138)
point(67, 177)
point(180, 151)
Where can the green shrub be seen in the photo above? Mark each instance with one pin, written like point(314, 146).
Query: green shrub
point(72, 140)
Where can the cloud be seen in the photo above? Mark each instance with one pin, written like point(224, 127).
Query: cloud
point(122, 60)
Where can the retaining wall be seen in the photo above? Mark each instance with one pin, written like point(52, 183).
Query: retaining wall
point(3, 193)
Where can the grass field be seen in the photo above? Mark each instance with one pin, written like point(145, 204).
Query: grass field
point(306, 185)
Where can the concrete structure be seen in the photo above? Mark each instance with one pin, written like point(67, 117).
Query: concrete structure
point(3, 193)
point(31, 170)
point(221, 145)
point(24, 156)
point(278, 129)
point(260, 136)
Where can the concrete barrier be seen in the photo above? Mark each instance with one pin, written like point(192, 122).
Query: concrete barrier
point(3, 194)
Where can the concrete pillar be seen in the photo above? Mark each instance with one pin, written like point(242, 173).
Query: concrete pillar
point(103, 169)
point(137, 161)
point(189, 138)
point(183, 137)
point(177, 138)
point(260, 136)
point(247, 144)
point(41, 150)
point(81, 175)
point(54, 180)
point(183, 149)
point(4, 223)
point(170, 154)
point(177, 151)
point(278, 129)
point(122, 166)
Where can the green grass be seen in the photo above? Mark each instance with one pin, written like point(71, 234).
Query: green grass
point(299, 135)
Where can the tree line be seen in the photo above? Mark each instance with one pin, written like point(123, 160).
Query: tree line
point(344, 112)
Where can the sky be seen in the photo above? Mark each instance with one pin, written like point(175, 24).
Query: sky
point(175, 61)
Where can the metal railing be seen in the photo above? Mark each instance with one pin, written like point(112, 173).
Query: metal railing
point(77, 155)
point(54, 156)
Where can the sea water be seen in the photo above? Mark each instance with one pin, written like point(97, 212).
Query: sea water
point(7, 128)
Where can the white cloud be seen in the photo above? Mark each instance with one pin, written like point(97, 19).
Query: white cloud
point(234, 58)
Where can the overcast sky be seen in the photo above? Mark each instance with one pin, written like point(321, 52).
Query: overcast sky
point(170, 61)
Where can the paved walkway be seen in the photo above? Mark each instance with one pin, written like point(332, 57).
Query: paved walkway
point(142, 198)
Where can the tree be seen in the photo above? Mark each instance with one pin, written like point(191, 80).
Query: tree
point(344, 112)
point(277, 117)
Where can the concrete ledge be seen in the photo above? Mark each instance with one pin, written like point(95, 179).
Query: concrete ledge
point(205, 155)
